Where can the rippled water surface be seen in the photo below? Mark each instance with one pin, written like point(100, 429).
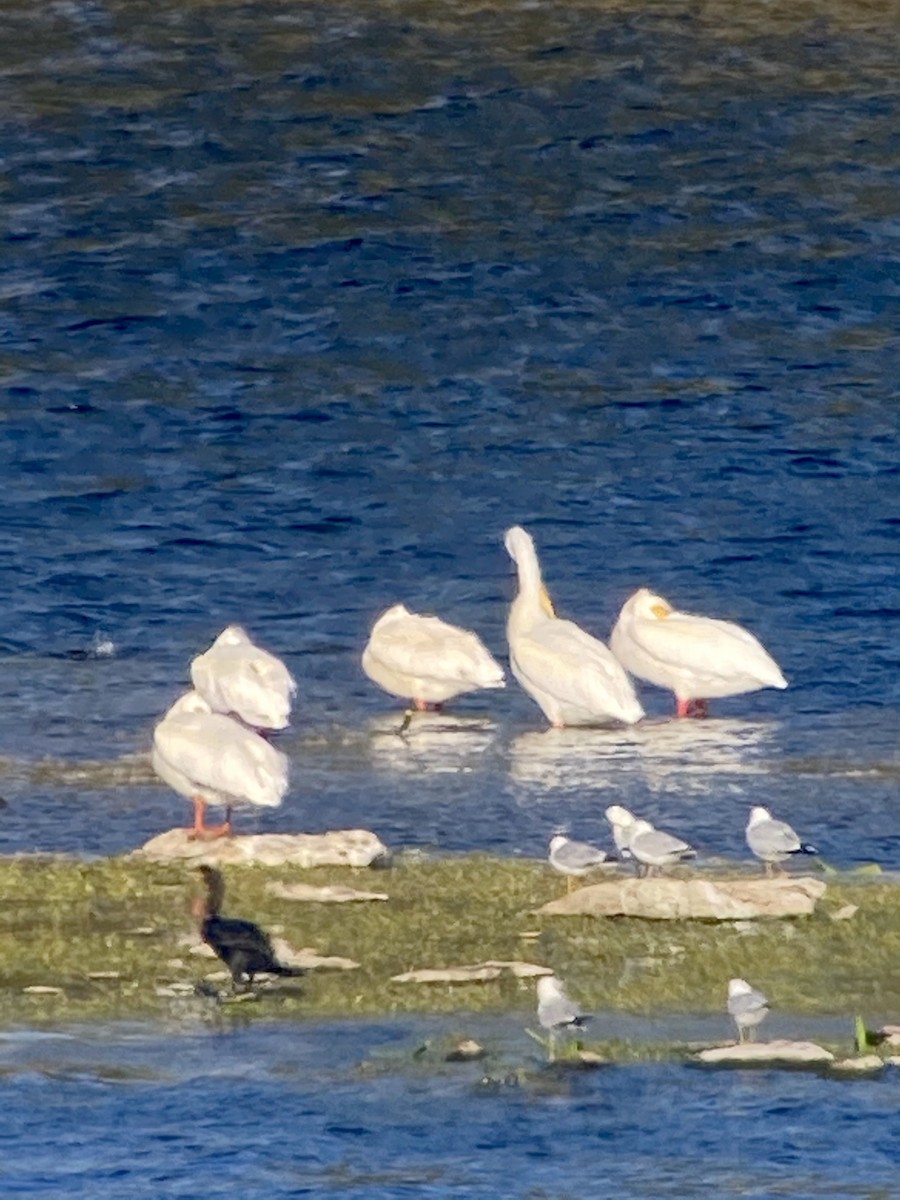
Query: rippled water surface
point(302, 307)
point(344, 1111)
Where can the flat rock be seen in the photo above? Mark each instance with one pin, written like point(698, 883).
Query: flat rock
point(692, 899)
point(310, 959)
point(473, 972)
point(335, 894)
point(338, 848)
point(779, 1052)
point(863, 1064)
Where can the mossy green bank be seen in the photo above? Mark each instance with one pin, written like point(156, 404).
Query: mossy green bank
point(107, 934)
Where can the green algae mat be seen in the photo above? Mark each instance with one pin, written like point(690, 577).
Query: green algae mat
point(107, 940)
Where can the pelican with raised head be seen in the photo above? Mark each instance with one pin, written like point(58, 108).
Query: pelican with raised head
point(572, 676)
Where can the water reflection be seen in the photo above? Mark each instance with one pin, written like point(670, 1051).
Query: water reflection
point(432, 742)
point(698, 752)
point(572, 758)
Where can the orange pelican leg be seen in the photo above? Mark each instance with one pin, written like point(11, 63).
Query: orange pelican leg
point(202, 832)
point(691, 708)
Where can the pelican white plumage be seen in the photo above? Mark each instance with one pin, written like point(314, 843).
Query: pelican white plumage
point(697, 658)
point(211, 758)
point(423, 659)
point(236, 676)
point(572, 676)
point(772, 840)
point(746, 1006)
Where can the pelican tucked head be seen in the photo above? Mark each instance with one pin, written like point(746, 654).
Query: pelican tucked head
point(647, 605)
point(190, 702)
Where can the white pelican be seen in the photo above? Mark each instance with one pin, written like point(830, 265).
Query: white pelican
point(771, 840)
point(746, 1005)
point(213, 759)
point(573, 858)
point(425, 660)
point(697, 658)
point(572, 676)
point(236, 676)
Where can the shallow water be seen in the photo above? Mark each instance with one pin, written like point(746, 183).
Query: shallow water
point(346, 1110)
point(304, 307)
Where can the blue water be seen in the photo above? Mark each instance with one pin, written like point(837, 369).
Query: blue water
point(302, 307)
point(346, 1112)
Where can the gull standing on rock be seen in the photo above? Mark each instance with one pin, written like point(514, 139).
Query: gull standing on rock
point(427, 661)
point(746, 1006)
point(556, 1011)
point(573, 677)
point(573, 858)
point(773, 841)
point(695, 657)
point(237, 677)
point(213, 759)
point(654, 849)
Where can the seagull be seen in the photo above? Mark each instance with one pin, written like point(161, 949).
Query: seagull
point(573, 858)
point(572, 677)
point(695, 657)
point(236, 677)
point(425, 660)
point(773, 841)
point(213, 759)
point(747, 1006)
point(242, 946)
point(653, 848)
point(556, 1011)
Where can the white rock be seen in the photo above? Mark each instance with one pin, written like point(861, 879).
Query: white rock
point(862, 1064)
point(310, 959)
point(779, 1052)
point(693, 899)
point(338, 847)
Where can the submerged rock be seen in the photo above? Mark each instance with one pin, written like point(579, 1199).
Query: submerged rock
point(777, 1053)
point(863, 1064)
point(338, 847)
point(692, 899)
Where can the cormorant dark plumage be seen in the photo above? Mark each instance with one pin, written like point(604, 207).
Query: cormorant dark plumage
point(243, 947)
